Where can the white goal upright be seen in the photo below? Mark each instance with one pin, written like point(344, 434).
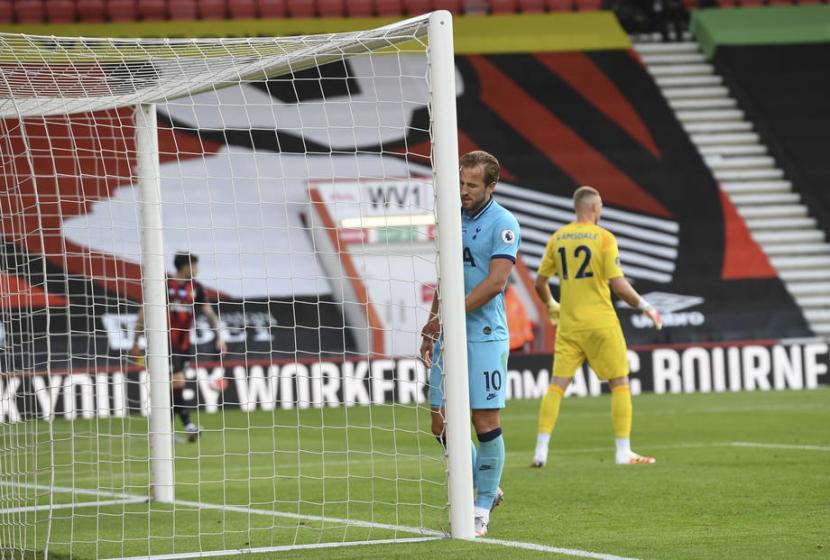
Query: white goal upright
point(313, 183)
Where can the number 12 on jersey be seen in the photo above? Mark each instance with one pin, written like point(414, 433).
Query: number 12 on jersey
point(582, 252)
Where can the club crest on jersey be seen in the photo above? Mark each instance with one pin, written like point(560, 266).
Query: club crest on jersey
point(508, 236)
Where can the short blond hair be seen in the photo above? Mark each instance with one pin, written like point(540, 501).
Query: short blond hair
point(488, 161)
point(583, 195)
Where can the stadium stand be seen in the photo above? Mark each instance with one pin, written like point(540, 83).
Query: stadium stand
point(184, 9)
point(331, 8)
point(152, 10)
point(123, 10)
point(242, 9)
point(61, 11)
point(301, 8)
point(272, 8)
point(66, 11)
point(213, 9)
point(29, 11)
point(92, 11)
point(360, 8)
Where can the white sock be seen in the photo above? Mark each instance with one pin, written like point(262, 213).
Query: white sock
point(484, 513)
point(623, 448)
point(541, 453)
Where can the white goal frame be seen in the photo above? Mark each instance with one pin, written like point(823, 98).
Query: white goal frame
point(450, 285)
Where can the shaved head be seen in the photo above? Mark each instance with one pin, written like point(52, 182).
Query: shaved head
point(587, 204)
point(585, 198)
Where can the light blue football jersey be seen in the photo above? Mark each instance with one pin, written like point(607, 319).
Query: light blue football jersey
point(492, 233)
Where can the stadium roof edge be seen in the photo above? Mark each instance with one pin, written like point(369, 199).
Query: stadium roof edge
point(491, 34)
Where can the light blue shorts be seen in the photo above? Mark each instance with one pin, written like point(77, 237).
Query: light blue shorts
point(487, 367)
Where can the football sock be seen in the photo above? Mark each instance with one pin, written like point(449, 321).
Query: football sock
point(541, 453)
point(442, 439)
point(179, 406)
point(489, 466)
point(621, 411)
point(621, 420)
point(475, 471)
point(549, 410)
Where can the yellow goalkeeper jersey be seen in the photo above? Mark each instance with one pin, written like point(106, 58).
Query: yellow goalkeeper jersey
point(585, 258)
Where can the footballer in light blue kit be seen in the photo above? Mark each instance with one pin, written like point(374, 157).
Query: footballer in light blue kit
point(491, 238)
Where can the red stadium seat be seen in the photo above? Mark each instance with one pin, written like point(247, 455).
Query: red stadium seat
point(691, 4)
point(213, 9)
point(29, 11)
point(151, 10)
point(588, 5)
point(532, 6)
point(560, 5)
point(242, 9)
point(389, 8)
point(452, 6)
point(727, 3)
point(301, 8)
point(752, 3)
point(272, 8)
point(61, 11)
point(6, 12)
point(360, 8)
point(779, 2)
point(475, 7)
point(503, 6)
point(331, 8)
point(92, 10)
point(417, 7)
point(807, 2)
point(122, 10)
point(183, 9)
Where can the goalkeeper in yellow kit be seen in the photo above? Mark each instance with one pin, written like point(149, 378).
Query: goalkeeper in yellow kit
point(585, 258)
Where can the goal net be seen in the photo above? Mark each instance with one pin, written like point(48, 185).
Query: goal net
point(216, 259)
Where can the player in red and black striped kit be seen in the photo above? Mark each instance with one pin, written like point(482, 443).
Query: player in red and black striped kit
point(184, 294)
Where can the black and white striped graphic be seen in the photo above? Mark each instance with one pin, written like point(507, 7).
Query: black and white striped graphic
point(648, 245)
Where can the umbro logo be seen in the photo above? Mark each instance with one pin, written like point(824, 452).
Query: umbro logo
point(668, 303)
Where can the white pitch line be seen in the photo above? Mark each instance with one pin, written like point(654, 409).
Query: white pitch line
point(554, 549)
point(78, 491)
point(73, 505)
point(319, 518)
point(267, 549)
point(238, 509)
point(430, 534)
point(778, 446)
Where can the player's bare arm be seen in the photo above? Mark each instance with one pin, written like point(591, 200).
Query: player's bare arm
point(543, 292)
point(629, 295)
point(430, 332)
point(213, 319)
point(493, 284)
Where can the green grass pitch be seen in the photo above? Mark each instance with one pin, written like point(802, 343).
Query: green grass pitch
point(738, 475)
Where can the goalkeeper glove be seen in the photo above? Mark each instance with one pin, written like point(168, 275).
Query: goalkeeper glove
point(650, 312)
point(553, 311)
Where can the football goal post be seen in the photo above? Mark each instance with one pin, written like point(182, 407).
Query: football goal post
point(217, 256)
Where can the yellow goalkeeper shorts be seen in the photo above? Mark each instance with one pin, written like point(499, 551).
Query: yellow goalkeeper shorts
point(604, 349)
